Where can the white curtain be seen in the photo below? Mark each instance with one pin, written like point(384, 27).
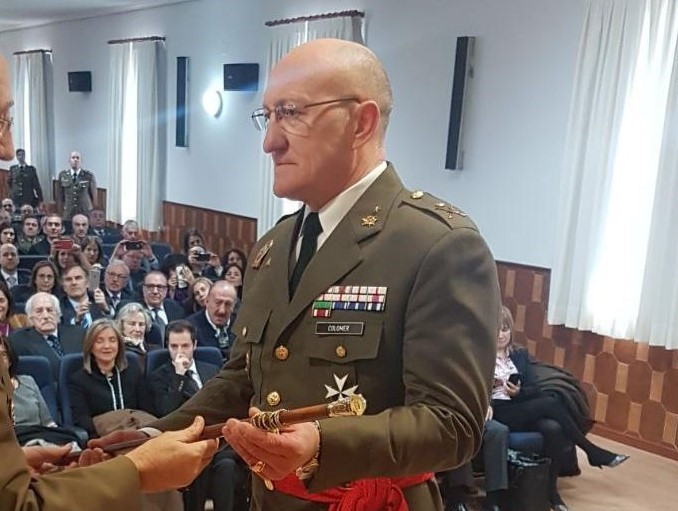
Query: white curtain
point(137, 167)
point(613, 240)
point(283, 39)
point(34, 114)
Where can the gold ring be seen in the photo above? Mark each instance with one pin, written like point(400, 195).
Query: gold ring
point(258, 467)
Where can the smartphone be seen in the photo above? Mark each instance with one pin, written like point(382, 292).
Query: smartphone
point(63, 244)
point(514, 378)
point(134, 245)
point(93, 279)
point(203, 257)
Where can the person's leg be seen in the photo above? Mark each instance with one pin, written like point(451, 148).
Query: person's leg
point(456, 484)
point(222, 480)
point(555, 445)
point(495, 450)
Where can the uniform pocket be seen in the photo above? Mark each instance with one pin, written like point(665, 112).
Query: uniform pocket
point(340, 348)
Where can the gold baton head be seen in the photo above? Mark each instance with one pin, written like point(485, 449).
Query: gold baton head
point(348, 406)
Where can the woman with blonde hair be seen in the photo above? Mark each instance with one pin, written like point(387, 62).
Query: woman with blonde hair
point(106, 382)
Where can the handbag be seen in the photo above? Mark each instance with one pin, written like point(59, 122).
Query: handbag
point(121, 419)
point(528, 489)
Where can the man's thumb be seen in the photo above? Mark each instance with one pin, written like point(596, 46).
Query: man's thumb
point(192, 432)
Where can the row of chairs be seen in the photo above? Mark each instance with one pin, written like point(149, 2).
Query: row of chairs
point(55, 392)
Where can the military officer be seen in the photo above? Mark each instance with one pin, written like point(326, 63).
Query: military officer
point(370, 289)
point(170, 461)
point(77, 189)
point(23, 182)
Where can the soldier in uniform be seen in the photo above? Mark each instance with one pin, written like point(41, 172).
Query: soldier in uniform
point(370, 289)
point(77, 189)
point(23, 182)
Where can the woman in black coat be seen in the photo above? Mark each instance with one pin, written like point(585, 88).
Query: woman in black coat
point(520, 404)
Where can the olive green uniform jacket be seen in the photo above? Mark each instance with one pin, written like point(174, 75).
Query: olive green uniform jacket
point(79, 196)
point(424, 363)
point(112, 485)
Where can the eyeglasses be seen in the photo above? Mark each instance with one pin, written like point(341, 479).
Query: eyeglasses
point(159, 287)
point(116, 276)
point(288, 115)
point(5, 124)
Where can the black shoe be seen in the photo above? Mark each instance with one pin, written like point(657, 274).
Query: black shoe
point(611, 461)
point(560, 507)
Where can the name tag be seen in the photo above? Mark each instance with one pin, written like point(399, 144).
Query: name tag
point(337, 328)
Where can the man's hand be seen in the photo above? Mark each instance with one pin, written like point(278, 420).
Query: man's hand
point(281, 453)
point(116, 437)
point(80, 311)
point(43, 459)
point(100, 300)
point(119, 250)
point(214, 261)
point(146, 249)
point(173, 459)
point(181, 364)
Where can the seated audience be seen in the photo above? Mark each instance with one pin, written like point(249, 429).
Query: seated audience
point(172, 385)
point(234, 274)
point(80, 225)
point(97, 220)
point(179, 277)
point(114, 285)
point(78, 306)
point(9, 264)
point(52, 230)
point(26, 210)
point(44, 279)
point(213, 325)
point(8, 206)
point(237, 256)
point(133, 260)
point(519, 404)
point(134, 324)
point(46, 336)
point(197, 295)
point(10, 320)
point(30, 234)
point(203, 263)
point(5, 217)
point(106, 382)
point(7, 234)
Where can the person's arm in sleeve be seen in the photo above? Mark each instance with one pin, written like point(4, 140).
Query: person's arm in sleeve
point(93, 190)
point(448, 344)
point(80, 409)
point(168, 395)
point(36, 187)
point(45, 417)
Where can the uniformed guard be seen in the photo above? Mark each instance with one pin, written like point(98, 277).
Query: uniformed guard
point(77, 189)
point(23, 182)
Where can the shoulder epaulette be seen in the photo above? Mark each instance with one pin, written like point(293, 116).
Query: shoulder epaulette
point(438, 208)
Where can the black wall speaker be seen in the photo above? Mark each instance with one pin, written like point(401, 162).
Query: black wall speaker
point(241, 77)
point(181, 135)
point(80, 81)
point(463, 74)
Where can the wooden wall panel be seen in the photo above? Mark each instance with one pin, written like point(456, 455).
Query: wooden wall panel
point(631, 386)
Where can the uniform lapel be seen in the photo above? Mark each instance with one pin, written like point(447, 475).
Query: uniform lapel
point(341, 251)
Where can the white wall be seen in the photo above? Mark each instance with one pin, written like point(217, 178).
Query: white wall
point(525, 57)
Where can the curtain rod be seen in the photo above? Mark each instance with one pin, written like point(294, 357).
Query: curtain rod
point(137, 40)
point(26, 52)
point(341, 14)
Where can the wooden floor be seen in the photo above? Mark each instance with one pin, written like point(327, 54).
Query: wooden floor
point(646, 482)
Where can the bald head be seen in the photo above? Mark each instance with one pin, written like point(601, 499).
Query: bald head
point(6, 143)
point(346, 68)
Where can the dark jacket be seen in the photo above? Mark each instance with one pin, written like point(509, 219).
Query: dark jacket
point(207, 336)
point(27, 341)
point(68, 312)
point(24, 185)
point(92, 394)
point(170, 390)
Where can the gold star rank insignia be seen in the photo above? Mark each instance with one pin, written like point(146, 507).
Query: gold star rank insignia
point(340, 392)
point(371, 220)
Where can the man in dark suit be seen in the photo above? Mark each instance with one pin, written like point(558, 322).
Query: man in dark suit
point(98, 227)
point(53, 229)
point(23, 182)
point(9, 262)
point(47, 337)
point(78, 306)
point(115, 285)
point(30, 234)
point(172, 385)
point(161, 310)
point(213, 324)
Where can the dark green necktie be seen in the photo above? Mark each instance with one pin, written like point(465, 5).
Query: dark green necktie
point(309, 243)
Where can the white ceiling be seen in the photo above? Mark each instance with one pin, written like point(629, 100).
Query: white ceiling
point(17, 14)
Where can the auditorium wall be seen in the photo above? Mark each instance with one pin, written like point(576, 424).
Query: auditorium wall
point(516, 125)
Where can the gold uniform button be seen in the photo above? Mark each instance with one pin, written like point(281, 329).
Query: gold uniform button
point(273, 399)
point(244, 331)
point(340, 351)
point(281, 353)
point(417, 195)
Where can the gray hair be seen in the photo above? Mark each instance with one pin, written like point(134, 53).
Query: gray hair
point(129, 309)
point(53, 299)
point(130, 223)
